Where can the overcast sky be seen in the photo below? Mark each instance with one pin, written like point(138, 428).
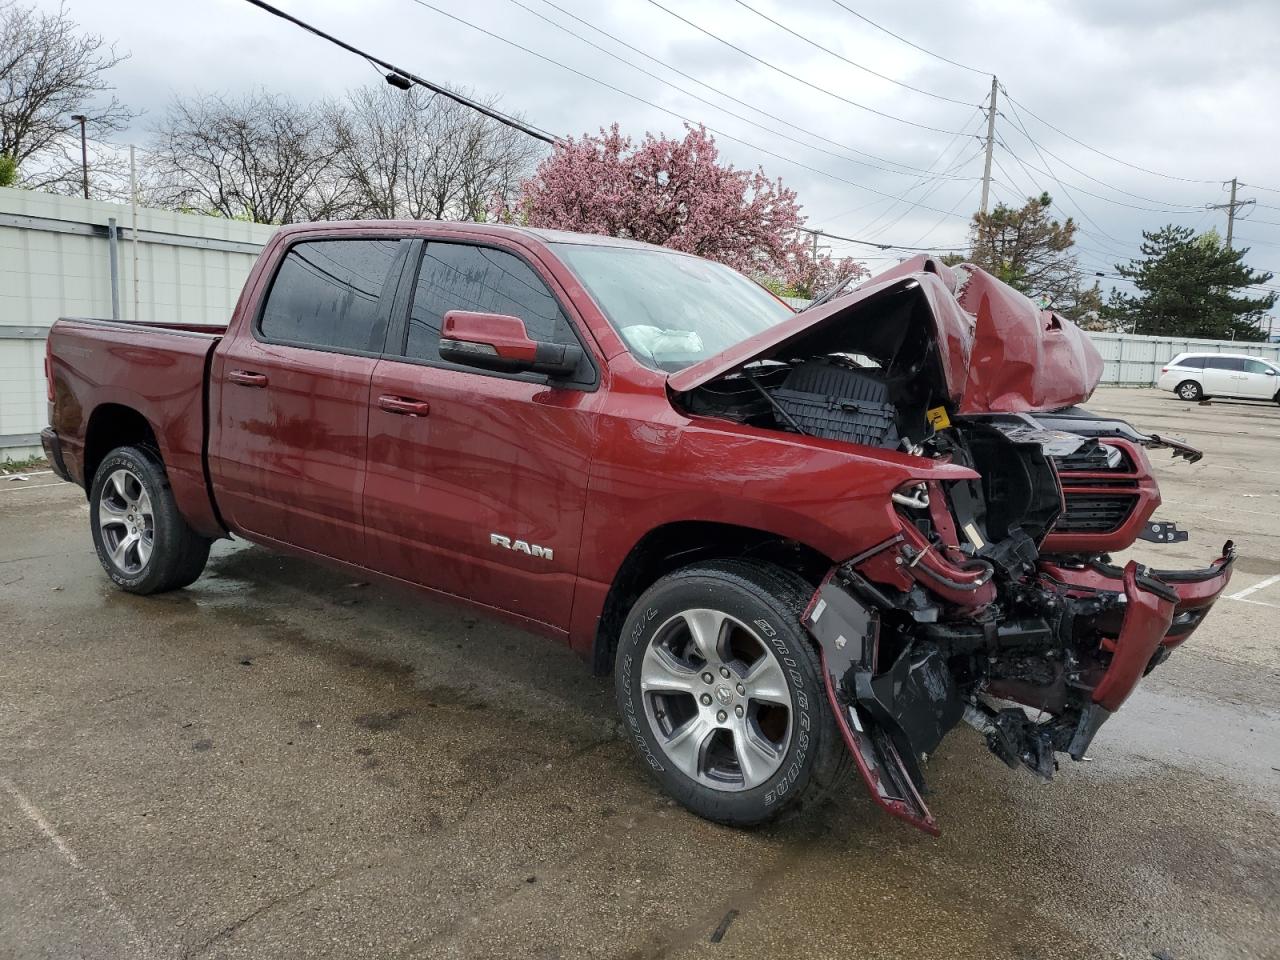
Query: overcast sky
point(1181, 87)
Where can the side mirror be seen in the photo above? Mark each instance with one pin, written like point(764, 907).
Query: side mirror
point(495, 341)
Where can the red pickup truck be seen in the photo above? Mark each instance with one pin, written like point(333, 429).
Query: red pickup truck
point(801, 542)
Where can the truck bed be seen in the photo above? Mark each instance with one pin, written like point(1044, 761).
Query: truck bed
point(160, 371)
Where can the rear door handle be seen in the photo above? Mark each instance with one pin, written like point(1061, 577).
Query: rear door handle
point(404, 406)
point(247, 378)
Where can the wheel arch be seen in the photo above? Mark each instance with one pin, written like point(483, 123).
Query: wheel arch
point(113, 425)
point(674, 545)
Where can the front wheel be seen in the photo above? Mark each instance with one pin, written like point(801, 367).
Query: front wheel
point(142, 540)
point(721, 692)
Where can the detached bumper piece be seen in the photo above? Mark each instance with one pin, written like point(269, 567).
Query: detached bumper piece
point(1072, 646)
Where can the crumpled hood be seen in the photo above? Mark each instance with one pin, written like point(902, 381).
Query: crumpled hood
point(999, 352)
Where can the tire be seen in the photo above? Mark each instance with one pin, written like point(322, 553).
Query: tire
point(1189, 390)
point(141, 538)
point(794, 755)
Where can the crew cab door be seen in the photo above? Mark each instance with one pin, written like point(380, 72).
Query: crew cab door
point(291, 398)
point(477, 480)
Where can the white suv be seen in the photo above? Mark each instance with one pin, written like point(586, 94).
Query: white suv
point(1194, 376)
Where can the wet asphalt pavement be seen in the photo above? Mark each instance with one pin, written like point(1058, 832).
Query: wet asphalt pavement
point(278, 762)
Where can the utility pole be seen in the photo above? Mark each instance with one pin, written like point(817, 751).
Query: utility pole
point(84, 152)
point(991, 140)
point(1231, 209)
point(815, 246)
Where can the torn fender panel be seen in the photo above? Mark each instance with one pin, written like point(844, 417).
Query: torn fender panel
point(1024, 359)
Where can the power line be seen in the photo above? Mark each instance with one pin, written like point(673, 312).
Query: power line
point(962, 199)
point(928, 192)
point(879, 246)
point(405, 75)
point(1030, 112)
point(922, 181)
point(1109, 186)
point(785, 73)
point(1018, 120)
point(722, 93)
point(1134, 166)
point(715, 106)
point(650, 103)
point(936, 56)
point(852, 63)
point(1089, 193)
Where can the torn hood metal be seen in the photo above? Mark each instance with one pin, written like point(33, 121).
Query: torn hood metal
point(998, 351)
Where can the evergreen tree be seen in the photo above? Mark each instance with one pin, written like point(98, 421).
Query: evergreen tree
point(1190, 286)
point(1032, 252)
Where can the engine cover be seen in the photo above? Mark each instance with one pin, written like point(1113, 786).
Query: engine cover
point(834, 400)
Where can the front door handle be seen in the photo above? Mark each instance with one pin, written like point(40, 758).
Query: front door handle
point(404, 406)
point(247, 378)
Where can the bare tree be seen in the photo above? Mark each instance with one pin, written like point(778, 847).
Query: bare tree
point(261, 157)
point(48, 71)
point(422, 156)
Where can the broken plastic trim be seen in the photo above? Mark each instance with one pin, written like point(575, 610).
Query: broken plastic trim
point(847, 634)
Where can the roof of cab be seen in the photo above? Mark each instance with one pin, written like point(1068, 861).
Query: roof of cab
point(471, 229)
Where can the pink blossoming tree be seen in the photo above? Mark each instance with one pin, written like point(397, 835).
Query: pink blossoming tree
point(676, 193)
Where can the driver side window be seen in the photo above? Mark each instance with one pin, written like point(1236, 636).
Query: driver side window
point(457, 276)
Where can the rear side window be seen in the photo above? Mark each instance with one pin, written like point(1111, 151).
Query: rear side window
point(1223, 363)
point(326, 294)
point(1196, 363)
point(457, 276)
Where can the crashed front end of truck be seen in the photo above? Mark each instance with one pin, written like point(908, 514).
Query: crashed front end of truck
point(995, 602)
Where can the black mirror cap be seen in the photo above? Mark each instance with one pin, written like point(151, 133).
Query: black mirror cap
point(556, 359)
point(553, 359)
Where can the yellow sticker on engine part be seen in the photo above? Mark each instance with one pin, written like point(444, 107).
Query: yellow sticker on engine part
point(938, 418)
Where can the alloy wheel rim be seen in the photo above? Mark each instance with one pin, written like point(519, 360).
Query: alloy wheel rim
point(126, 521)
point(1188, 392)
point(717, 700)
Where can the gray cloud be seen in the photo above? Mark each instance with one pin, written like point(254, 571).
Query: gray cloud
point(1179, 87)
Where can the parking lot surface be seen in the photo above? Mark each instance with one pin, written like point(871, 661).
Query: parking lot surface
point(279, 762)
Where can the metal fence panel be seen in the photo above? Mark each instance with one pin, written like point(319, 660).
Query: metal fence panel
point(55, 261)
point(1135, 361)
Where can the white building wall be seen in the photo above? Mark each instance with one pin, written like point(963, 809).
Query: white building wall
point(55, 262)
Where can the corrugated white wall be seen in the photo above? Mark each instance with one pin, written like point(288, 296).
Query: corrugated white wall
point(1136, 361)
point(55, 261)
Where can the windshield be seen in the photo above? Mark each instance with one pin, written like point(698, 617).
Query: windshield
point(672, 309)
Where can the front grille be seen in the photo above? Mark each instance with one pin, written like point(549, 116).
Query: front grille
point(1093, 513)
point(1091, 457)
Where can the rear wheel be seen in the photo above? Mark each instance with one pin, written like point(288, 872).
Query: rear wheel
point(1189, 390)
point(721, 692)
point(142, 540)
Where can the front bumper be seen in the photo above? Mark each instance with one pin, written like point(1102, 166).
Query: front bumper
point(1122, 623)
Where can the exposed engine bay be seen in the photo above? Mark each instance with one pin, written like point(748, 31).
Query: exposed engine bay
point(997, 602)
